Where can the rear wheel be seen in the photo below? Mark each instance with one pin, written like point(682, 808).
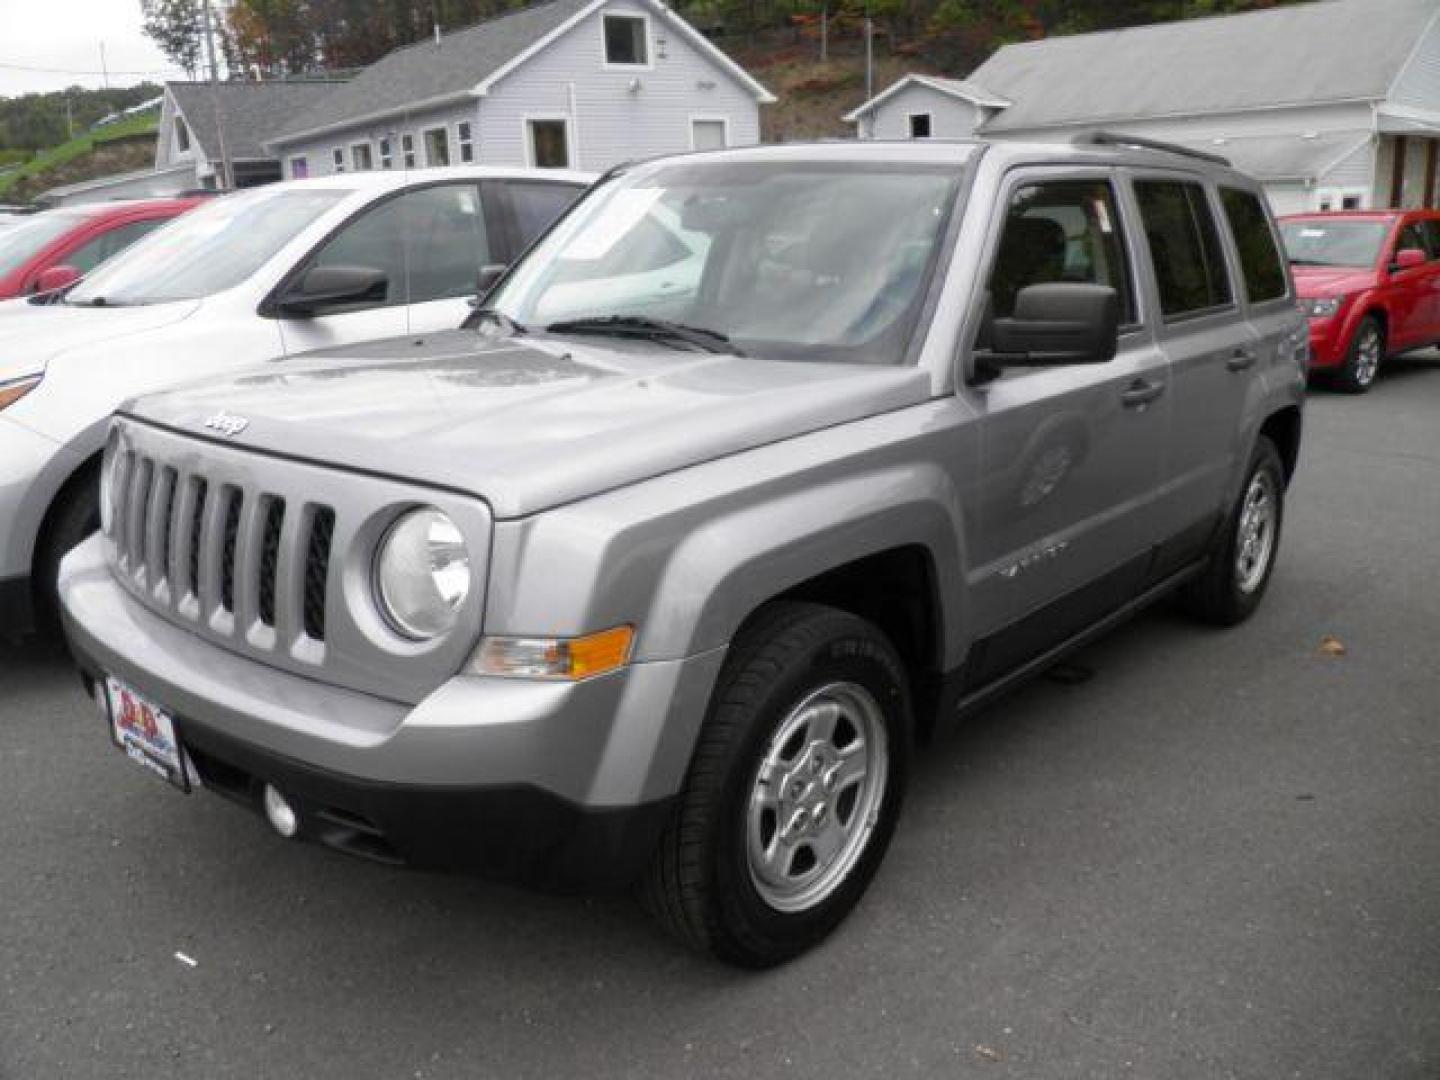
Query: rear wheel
point(1362, 360)
point(1235, 579)
point(793, 792)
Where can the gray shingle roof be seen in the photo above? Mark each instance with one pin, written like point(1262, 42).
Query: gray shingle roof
point(426, 71)
point(1330, 51)
point(251, 110)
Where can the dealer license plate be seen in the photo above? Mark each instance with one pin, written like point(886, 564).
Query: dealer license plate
point(146, 733)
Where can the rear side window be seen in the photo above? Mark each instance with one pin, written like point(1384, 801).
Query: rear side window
point(1259, 258)
point(1184, 247)
point(1431, 227)
point(1061, 230)
point(537, 204)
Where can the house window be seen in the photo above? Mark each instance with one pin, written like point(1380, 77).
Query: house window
point(299, 168)
point(920, 125)
point(360, 157)
point(626, 41)
point(338, 157)
point(708, 135)
point(462, 136)
point(549, 144)
point(1350, 202)
point(182, 134)
point(386, 157)
point(437, 147)
point(407, 149)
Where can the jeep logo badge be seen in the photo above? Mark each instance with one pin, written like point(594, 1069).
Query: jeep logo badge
point(227, 425)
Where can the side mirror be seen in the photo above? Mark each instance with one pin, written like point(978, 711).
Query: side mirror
point(1056, 324)
point(55, 278)
point(1406, 258)
point(485, 280)
point(325, 287)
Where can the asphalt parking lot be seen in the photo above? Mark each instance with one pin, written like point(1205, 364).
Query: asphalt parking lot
point(1216, 856)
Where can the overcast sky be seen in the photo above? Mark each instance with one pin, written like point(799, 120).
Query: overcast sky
point(66, 35)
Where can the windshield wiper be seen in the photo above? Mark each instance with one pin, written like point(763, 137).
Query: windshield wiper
point(502, 320)
point(655, 329)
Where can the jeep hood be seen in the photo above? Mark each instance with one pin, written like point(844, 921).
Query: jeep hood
point(31, 335)
point(529, 423)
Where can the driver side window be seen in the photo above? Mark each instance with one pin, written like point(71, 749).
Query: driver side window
point(1061, 231)
point(430, 243)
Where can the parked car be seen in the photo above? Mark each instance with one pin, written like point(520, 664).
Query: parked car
point(265, 273)
point(55, 248)
point(1369, 280)
point(663, 590)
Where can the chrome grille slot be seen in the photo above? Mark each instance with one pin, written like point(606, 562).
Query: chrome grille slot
point(317, 571)
point(231, 499)
point(270, 558)
point(136, 497)
point(196, 523)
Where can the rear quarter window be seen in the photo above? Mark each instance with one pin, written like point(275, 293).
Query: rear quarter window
point(1260, 263)
point(1184, 247)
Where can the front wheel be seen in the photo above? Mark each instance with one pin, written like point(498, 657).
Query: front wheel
point(793, 792)
point(1230, 588)
point(1362, 359)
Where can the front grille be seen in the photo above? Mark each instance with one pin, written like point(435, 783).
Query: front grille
point(221, 554)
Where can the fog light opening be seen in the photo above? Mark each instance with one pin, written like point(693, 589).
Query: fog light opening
point(278, 811)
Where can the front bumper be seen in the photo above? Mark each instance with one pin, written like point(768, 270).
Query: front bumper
point(1328, 342)
point(558, 785)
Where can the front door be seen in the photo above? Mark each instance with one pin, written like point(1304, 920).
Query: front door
point(1070, 456)
point(431, 243)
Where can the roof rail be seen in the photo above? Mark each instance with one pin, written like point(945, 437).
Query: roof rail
point(1117, 138)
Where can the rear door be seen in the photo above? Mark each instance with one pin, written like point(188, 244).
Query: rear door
point(430, 242)
point(1062, 519)
point(1213, 351)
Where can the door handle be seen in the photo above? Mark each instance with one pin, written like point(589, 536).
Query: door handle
point(1140, 393)
point(1240, 360)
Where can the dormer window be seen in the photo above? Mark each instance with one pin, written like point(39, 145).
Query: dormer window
point(626, 41)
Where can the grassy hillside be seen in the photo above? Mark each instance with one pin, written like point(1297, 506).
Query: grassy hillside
point(123, 146)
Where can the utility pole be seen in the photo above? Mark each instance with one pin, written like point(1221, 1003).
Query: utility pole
point(226, 179)
point(69, 119)
point(104, 71)
point(824, 32)
point(869, 56)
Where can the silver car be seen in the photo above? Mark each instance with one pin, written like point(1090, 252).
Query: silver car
point(761, 464)
point(261, 274)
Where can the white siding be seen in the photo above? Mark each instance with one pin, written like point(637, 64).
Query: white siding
point(1289, 198)
point(1418, 84)
point(1355, 170)
point(611, 122)
point(950, 117)
point(319, 153)
point(167, 144)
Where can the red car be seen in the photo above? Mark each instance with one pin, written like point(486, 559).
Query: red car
point(55, 248)
point(1370, 282)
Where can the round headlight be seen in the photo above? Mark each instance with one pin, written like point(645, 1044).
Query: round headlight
point(422, 574)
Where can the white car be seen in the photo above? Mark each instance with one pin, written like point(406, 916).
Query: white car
point(263, 274)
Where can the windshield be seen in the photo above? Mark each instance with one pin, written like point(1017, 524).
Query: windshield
point(1327, 242)
point(209, 249)
point(20, 243)
point(788, 260)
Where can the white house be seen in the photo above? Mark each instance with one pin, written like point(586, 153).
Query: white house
point(203, 123)
point(1332, 104)
point(570, 83)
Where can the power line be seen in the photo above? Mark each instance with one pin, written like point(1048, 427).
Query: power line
point(8, 66)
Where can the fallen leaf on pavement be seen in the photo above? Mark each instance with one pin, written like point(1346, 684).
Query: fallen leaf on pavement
point(989, 1053)
point(1331, 645)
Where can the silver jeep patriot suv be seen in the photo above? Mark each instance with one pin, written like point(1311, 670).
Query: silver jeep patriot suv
point(756, 465)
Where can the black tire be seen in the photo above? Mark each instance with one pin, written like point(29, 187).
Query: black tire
point(1225, 594)
point(702, 885)
point(75, 515)
point(1362, 358)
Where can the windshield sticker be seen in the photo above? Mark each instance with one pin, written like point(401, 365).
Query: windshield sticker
point(1102, 214)
point(618, 217)
point(1312, 234)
